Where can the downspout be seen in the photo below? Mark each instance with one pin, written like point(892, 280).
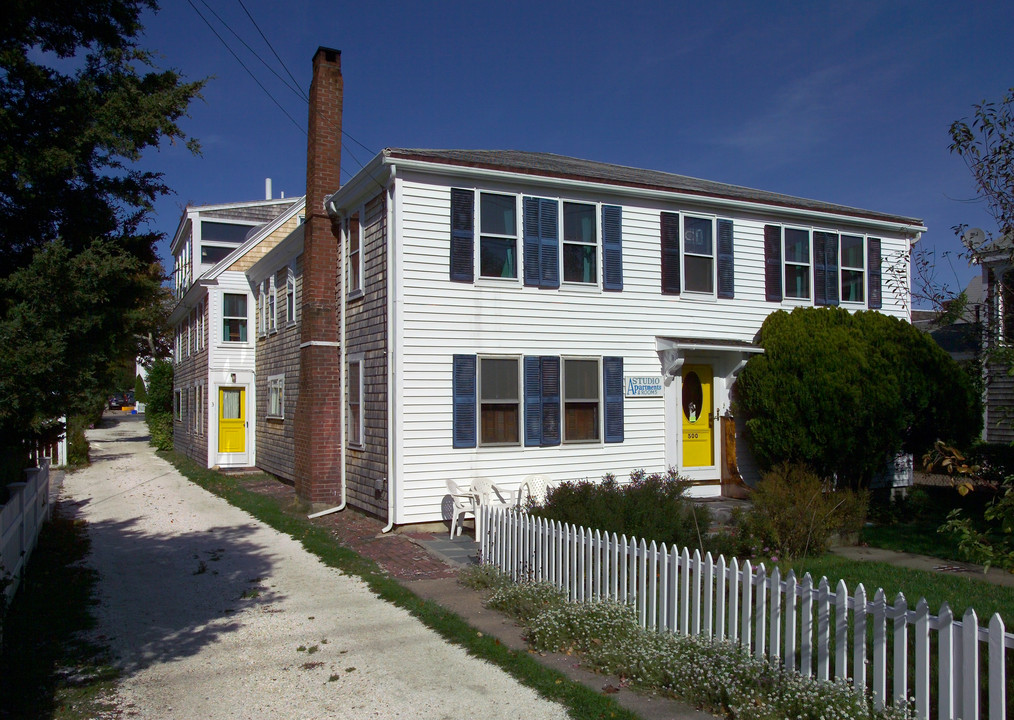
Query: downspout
point(333, 213)
point(392, 283)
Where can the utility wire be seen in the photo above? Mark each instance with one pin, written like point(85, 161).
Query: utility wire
point(294, 87)
point(249, 72)
point(268, 42)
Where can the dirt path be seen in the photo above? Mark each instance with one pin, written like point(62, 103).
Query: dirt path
point(214, 615)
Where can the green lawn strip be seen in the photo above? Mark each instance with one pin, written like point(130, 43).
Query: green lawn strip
point(920, 537)
point(580, 701)
point(47, 668)
point(960, 591)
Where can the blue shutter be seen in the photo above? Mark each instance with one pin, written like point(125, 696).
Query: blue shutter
point(873, 264)
point(612, 381)
point(726, 261)
point(549, 251)
point(773, 263)
point(464, 401)
point(533, 401)
point(819, 269)
point(670, 253)
point(550, 368)
point(612, 247)
point(462, 235)
point(532, 244)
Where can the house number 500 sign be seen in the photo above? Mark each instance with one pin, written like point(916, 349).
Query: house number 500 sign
point(693, 436)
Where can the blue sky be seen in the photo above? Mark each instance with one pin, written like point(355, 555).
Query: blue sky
point(843, 102)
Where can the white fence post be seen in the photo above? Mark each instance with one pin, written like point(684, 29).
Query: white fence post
point(970, 655)
point(997, 669)
point(859, 638)
point(900, 650)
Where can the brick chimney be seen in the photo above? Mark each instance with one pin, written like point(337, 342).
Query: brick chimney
point(318, 432)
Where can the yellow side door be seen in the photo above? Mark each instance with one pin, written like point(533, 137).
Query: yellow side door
point(231, 420)
point(698, 416)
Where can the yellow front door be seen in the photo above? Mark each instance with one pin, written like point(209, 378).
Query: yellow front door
point(231, 420)
point(698, 417)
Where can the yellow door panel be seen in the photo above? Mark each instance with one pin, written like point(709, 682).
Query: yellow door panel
point(231, 420)
point(698, 416)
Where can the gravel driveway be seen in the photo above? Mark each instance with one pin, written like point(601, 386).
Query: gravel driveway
point(212, 614)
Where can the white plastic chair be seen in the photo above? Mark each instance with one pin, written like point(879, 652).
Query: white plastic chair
point(534, 487)
point(462, 501)
point(485, 492)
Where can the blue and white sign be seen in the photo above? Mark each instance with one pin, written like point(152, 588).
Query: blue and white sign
point(637, 386)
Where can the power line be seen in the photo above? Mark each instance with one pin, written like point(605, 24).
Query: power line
point(268, 42)
point(294, 88)
point(249, 72)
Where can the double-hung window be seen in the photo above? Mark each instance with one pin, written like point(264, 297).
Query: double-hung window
point(272, 305)
point(580, 243)
point(797, 264)
point(354, 395)
point(499, 401)
point(498, 236)
point(262, 315)
point(581, 406)
point(698, 255)
point(234, 317)
point(853, 264)
point(290, 294)
point(276, 397)
point(355, 244)
point(178, 404)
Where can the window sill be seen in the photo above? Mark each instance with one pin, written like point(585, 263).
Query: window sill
point(581, 287)
point(357, 294)
point(484, 281)
point(699, 296)
point(275, 418)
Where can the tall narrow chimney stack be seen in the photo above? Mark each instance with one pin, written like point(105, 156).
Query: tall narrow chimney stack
point(318, 432)
point(267, 188)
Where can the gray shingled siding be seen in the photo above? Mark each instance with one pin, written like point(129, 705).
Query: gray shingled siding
point(366, 472)
point(278, 354)
point(1000, 401)
point(187, 439)
point(257, 213)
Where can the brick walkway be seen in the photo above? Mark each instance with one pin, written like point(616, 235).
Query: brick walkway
point(401, 556)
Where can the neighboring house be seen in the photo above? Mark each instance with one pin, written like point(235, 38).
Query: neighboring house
point(997, 263)
point(215, 341)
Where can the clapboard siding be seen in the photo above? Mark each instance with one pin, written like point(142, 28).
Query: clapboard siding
point(440, 318)
point(999, 402)
point(366, 471)
point(190, 433)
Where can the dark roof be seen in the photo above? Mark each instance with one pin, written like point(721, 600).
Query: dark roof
point(551, 165)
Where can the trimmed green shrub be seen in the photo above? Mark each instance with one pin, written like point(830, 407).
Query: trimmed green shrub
point(77, 444)
point(795, 514)
point(140, 392)
point(652, 507)
point(160, 428)
point(844, 392)
point(160, 387)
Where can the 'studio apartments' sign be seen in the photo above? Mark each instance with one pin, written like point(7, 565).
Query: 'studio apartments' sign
point(636, 386)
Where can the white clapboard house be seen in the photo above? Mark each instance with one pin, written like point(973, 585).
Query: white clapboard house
point(506, 313)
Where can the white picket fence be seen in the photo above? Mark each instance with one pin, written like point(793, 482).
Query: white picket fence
point(806, 627)
point(21, 519)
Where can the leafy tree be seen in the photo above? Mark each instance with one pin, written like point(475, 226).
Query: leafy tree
point(160, 387)
point(844, 392)
point(80, 282)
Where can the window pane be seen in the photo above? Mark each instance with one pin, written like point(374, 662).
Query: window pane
point(851, 251)
point(499, 423)
point(234, 305)
point(497, 257)
point(797, 281)
point(581, 379)
point(852, 286)
point(234, 330)
point(797, 246)
point(355, 431)
point(699, 276)
point(498, 379)
point(578, 223)
point(581, 421)
point(697, 236)
point(354, 382)
point(224, 232)
point(579, 263)
point(214, 253)
point(230, 403)
point(497, 215)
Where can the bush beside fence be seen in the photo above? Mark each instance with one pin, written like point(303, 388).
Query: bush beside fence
point(807, 627)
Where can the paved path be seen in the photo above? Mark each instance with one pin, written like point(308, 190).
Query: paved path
point(214, 615)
